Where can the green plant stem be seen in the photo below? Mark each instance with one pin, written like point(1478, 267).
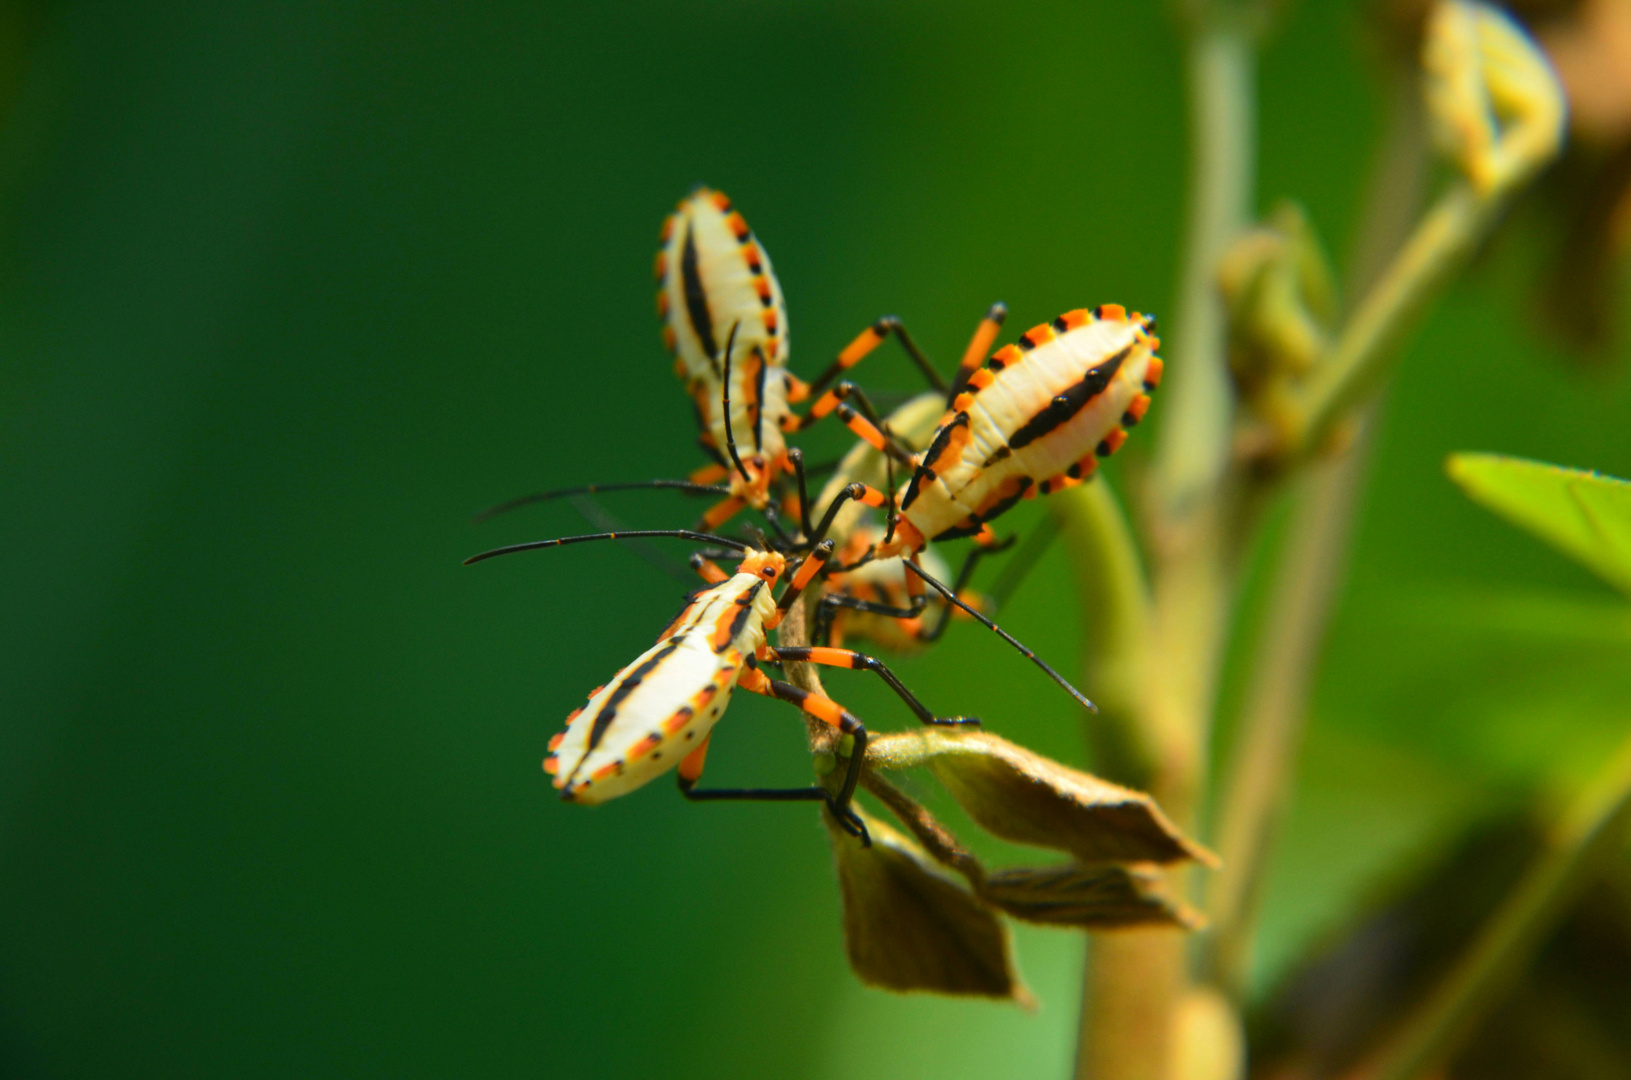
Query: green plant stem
point(1312, 561)
point(1589, 836)
point(1134, 979)
point(1310, 569)
point(1115, 599)
point(1198, 403)
point(1359, 361)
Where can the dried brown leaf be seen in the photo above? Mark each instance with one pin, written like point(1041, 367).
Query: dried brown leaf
point(907, 926)
point(1092, 897)
point(1024, 797)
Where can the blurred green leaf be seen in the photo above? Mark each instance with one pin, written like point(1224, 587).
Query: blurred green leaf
point(1585, 515)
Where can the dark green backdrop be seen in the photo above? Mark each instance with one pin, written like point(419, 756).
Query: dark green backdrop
point(288, 290)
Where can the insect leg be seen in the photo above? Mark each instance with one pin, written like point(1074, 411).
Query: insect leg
point(795, 457)
point(848, 658)
point(708, 569)
point(835, 715)
point(863, 422)
point(978, 346)
point(690, 771)
point(870, 339)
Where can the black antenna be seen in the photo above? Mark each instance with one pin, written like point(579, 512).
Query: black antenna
point(683, 534)
point(725, 405)
point(595, 489)
point(951, 598)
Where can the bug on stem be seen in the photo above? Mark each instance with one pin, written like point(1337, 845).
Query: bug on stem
point(659, 712)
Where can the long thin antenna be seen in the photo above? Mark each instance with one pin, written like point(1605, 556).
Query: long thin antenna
point(951, 598)
point(683, 534)
point(1022, 561)
point(725, 405)
point(595, 489)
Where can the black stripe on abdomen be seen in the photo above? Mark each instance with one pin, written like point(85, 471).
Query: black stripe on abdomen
point(696, 297)
point(608, 712)
point(1061, 409)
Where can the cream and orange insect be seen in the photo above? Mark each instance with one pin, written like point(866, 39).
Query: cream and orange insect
point(659, 712)
point(714, 278)
point(1036, 417)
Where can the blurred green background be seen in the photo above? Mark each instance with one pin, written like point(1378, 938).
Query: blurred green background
point(288, 290)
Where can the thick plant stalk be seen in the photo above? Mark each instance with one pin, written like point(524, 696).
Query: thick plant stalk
point(1134, 979)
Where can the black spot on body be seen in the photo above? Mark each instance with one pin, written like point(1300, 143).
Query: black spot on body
point(1060, 325)
point(1061, 409)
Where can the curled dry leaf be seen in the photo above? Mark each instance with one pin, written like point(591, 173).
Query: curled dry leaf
point(1103, 897)
point(1022, 796)
point(907, 926)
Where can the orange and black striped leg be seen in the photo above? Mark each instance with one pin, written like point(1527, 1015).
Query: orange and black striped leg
point(856, 492)
point(870, 339)
point(848, 658)
point(808, 569)
point(979, 345)
point(708, 569)
point(861, 418)
point(835, 715)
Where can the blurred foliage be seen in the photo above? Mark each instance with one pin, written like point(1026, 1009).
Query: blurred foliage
point(288, 291)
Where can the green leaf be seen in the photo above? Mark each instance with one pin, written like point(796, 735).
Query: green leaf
point(1585, 515)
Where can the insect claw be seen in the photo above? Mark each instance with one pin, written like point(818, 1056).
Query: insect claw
point(850, 822)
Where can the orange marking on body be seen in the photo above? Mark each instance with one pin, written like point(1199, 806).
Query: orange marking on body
point(597, 690)
point(738, 227)
point(722, 512)
point(551, 765)
point(770, 326)
point(762, 287)
point(952, 452)
point(723, 633)
point(1040, 335)
point(1088, 465)
point(1111, 312)
point(913, 626)
point(963, 403)
point(701, 698)
point(985, 537)
point(668, 228)
point(674, 723)
point(750, 252)
point(1113, 441)
point(797, 389)
point(1138, 406)
point(577, 712)
point(1074, 320)
point(824, 709)
point(642, 748)
point(606, 771)
point(555, 741)
point(1008, 354)
point(661, 265)
point(662, 305)
point(709, 474)
point(692, 765)
point(981, 379)
point(721, 203)
point(671, 343)
point(1152, 374)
